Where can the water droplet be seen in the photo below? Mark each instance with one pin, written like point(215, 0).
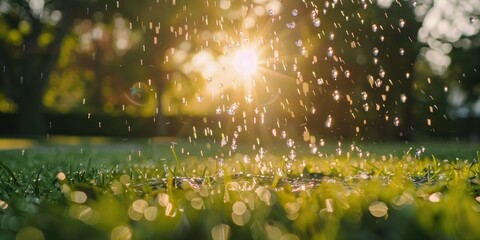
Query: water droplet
point(283, 134)
point(473, 19)
point(294, 12)
point(330, 52)
point(271, 12)
point(231, 110)
point(334, 73)
point(304, 51)
point(375, 51)
point(316, 22)
point(401, 51)
point(336, 95)
point(378, 82)
point(249, 98)
point(329, 121)
point(339, 151)
point(320, 81)
point(347, 73)
point(292, 155)
point(403, 98)
point(396, 121)
point(401, 23)
point(381, 73)
point(313, 149)
point(364, 96)
point(313, 14)
point(218, 111)
point(313, 110)
point(414, 3)
point(419, 151)
point(331, 36)
point(299, 43)
point(374, 27)
point(200, 98)
point(290, 143)
point(291, 24)
point(366, 107)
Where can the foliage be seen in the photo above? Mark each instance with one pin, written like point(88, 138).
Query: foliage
point(138, 191)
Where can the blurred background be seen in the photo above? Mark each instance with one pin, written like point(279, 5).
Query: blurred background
point(361, 69)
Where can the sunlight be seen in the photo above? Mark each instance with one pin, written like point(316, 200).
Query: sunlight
point(246, 62)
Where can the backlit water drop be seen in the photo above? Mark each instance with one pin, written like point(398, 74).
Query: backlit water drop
point(291, 24)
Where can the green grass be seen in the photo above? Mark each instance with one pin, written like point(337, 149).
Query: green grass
point(149, 190)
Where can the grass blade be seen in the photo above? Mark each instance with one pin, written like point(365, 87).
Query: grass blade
point(8, 171)
point(178, 161)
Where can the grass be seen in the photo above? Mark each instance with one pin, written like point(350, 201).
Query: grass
point(150, 190)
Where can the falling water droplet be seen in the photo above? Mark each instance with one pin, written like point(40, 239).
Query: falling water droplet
point(331, 36)
point(291, 24)
point(403, 98)
point(366, 107)
point(334, 73)
point(347, 73)
point(364, 96)
point(396, 121)
point(328, 122)
point(374, 27)
point(381, 73)
point(320, 81)
point(378, 82)
point(249, 98)
point(401, 23)
point(218, 111)
point(220, 167)
point(271, 12)
point(313, 14)
point(419, 151)
point(295, 12)
point(299, 43)
point(339, 151)
point(292, 155)
point(290, 143)
point(200, 98)
point(330, 52)
point(313, 149)
point(316, 22)
point(401, 51)
point(336, 95)
point(375, 51)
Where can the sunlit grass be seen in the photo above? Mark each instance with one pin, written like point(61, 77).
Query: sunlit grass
point(146, 190)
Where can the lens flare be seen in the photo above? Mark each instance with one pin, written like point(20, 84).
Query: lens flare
point(245, 62)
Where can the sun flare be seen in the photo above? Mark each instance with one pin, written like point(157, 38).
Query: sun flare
point(245, 62)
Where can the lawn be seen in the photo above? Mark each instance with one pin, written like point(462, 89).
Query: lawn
point(71, 188)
